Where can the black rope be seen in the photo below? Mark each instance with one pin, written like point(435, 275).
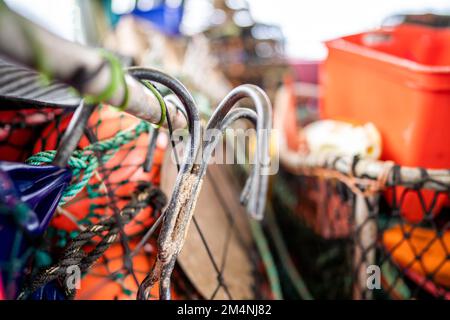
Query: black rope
point(145, 195)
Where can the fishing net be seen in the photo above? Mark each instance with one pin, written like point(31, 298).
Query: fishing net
point(413, 239)
point(20, 129)
point(220, 235)
point(112, 176)
point(107, 220)
point(390, 242)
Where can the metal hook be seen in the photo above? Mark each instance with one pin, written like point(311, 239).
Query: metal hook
point(180, 200)
point(254, 193)
point(188, 102)
point(73, 134)
point(180, 210)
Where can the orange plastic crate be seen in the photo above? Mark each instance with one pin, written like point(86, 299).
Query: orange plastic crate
point(399, 79)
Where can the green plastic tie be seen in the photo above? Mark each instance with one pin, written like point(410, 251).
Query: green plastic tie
point(161, 101)
point(117, 77)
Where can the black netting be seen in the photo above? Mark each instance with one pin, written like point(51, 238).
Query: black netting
point(342, 236)
point(85, 227)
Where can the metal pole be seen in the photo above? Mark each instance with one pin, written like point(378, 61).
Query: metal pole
point(28, 44)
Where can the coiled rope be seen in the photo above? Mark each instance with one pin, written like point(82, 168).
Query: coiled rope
point(145, 195)
point(84, 163)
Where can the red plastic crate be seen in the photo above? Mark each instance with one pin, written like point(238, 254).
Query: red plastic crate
point(399, 79)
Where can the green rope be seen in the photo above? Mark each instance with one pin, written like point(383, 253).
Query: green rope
point(288, 265)
point(264, 251)
point(84, 163)
point(395, 283)
point(263, 248)
point(161, 101)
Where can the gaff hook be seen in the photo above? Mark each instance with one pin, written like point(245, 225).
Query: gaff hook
point(188, 184)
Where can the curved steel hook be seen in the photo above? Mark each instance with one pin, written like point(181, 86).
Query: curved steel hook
point(73, 133)
point(176, 224)
point(186, 99)
point(254, 193)
point(181, 201)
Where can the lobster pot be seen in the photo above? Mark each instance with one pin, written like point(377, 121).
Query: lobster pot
point(32, 126)
point(348, 243)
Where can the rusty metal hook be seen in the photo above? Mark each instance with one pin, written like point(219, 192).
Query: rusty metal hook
point(180, 210)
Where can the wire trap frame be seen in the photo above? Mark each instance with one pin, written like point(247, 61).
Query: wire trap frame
point(394, 220)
